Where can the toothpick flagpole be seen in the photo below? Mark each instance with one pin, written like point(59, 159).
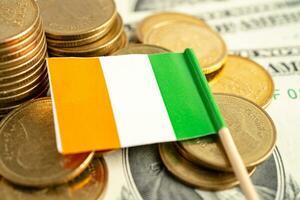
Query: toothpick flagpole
point(232, 153)
point(237, 164)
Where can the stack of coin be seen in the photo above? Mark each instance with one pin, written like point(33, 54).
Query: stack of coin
point(79, 28)
point(225, 73)
point(29, 158)
point(23, 73)
point(202, 162)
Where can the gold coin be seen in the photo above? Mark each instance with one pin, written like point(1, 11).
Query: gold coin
point(116, 45)
point(252, 130)
point(43, 89)
point(22, 43)
point(195, 175)
point(246, 78)
point(23, 51)
point(23, 80)
point(37, 57)
point(80, 42)
point(18, 19)
point(28, 83)
point(7, 79)
point(141, 49)
point(90, 185)
point(158, 19)
point(24, 57)
point(23, 95)
point(98, 46)
point(28, 153)
point(209, 47)
point(80, 19)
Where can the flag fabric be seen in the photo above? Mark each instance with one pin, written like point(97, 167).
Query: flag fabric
point(121, 101)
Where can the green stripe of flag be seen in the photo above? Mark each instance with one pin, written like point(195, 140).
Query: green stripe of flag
point(187, 97)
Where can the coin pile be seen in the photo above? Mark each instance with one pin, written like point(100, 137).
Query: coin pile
point(29, 158)
point(87, 28)
point(23, 73)
point(202, 162)
point(226, 73)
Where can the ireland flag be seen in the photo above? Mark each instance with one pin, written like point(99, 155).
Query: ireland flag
point(121, 101)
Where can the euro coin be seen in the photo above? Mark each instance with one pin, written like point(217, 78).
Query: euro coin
point(18, 19)
point(28, 152)
point(252, 129)
point(89, 185)
point(195, 175)
point(152, 21)
point(76, 19)
point(209, 47)
point(246, 78)
point(141, 49)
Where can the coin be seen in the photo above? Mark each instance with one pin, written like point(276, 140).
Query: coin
point(209, 47)
point(40, 55)
point(141, 49)
point(22, 43)
point(28, 154)
point(100, 47)
point(25, 85)
point(80, 19)
point(43, 89)
point(246, 78)
point(79, 42)
point(25, 57)
point(23, 80)
point(24, 50)
point(90, 185)
point(152, 21)
point(252, 129)
point(195, 175)
point(8, 80)
point(18, 18)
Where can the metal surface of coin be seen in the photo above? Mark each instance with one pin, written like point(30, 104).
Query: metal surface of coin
point(25, 57)
point(24, 42)
point(194, 175)
point(209, 47)
point(28, 154)
point(246, 78)
point(25, 85)
point(252, 130)
point(155, 20)
point(79, 19)
point(17, 19)
point(40, 55)
point(22, 81)
point(7, 79)
point(43, 89)
point(99, 47)
point(141, 49)
point(89, 185)
point(81, 41)
point(23, 51)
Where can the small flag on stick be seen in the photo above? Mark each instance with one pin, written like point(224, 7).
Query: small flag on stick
point(122, 101)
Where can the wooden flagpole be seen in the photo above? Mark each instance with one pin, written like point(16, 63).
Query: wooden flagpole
point(237, 164)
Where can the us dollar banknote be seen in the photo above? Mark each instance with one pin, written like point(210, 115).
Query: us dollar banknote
point(265, 31)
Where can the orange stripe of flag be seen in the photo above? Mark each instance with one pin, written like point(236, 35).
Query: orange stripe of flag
point(82, 105)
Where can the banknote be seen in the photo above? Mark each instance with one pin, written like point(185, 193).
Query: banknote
point(265, 31)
